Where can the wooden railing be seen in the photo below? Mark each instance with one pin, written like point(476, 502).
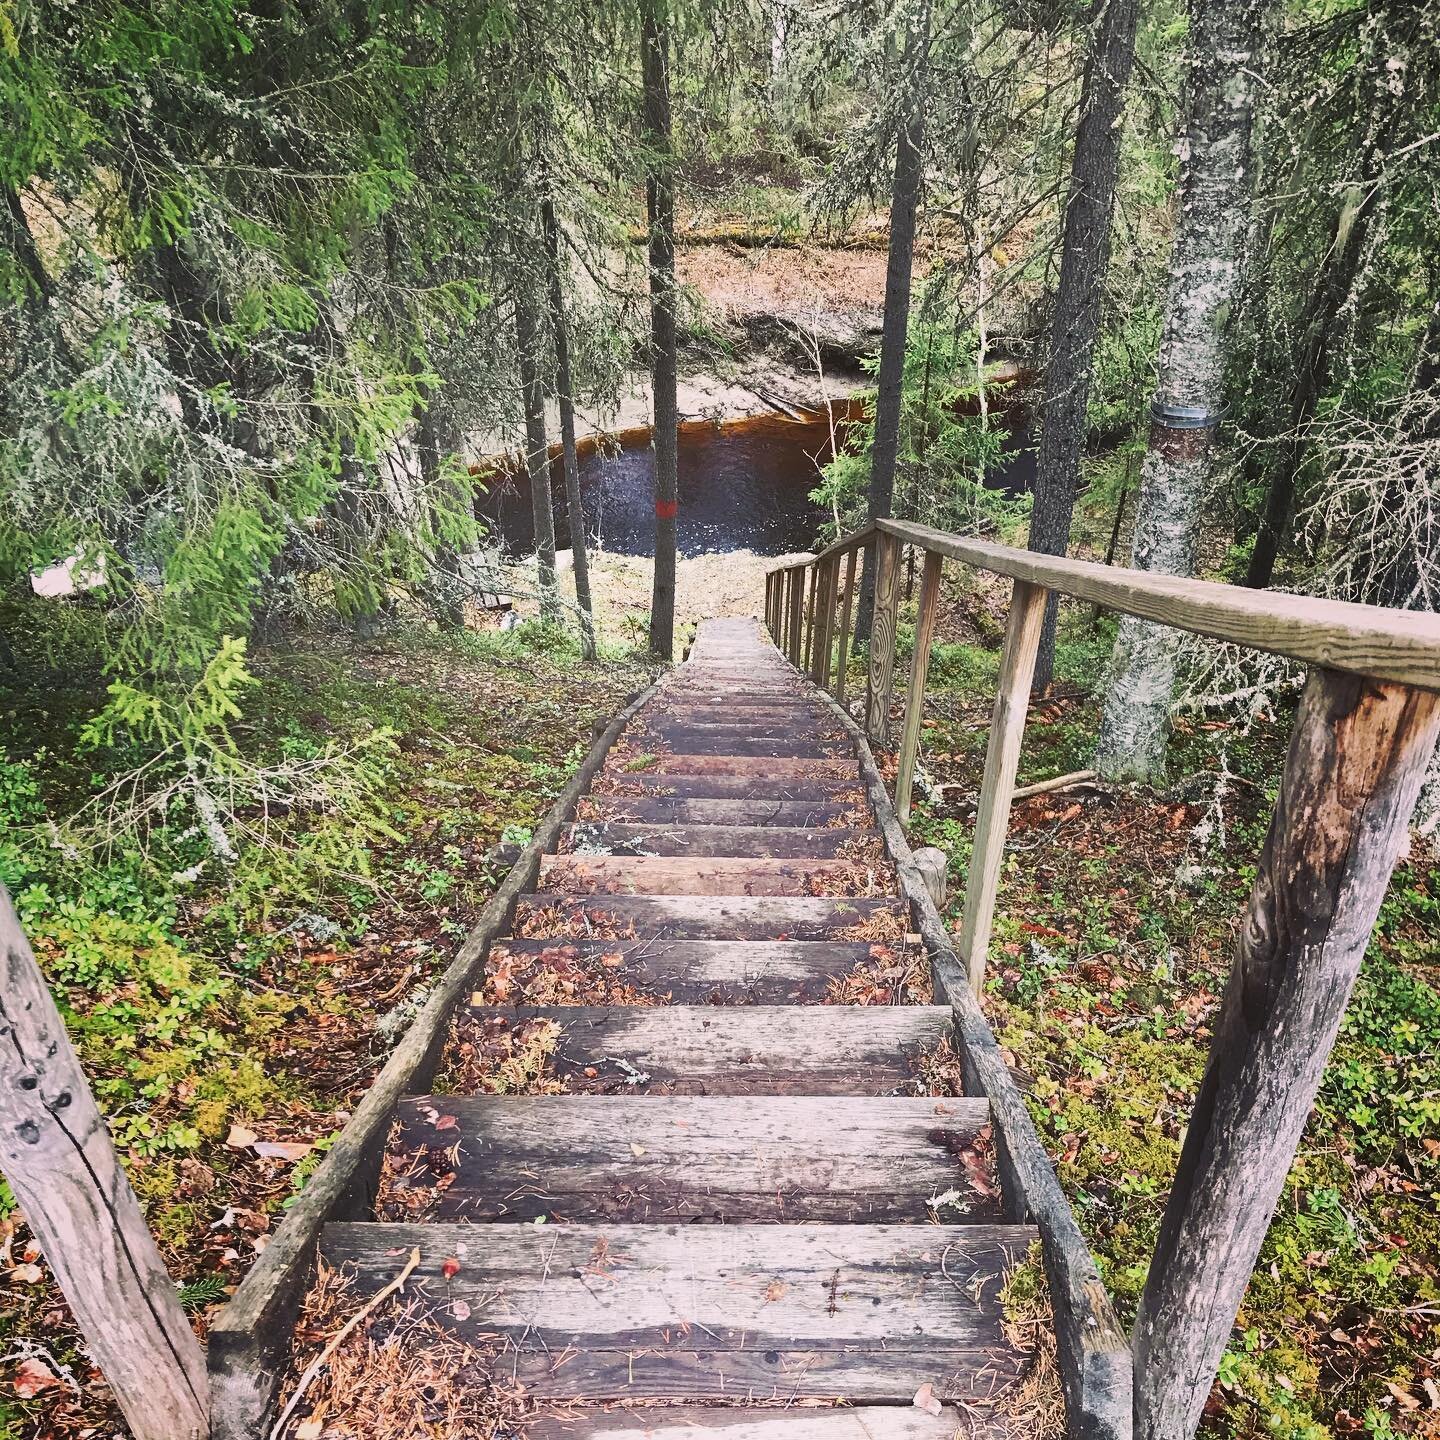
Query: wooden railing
point(801, 602)
point(1364, 730)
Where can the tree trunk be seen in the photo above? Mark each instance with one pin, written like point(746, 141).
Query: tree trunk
point(909, 182)
point(1357, 754)
point(1204, 279)
point(1076, 324)
point(537, 449)
point(565, 396)
point(1312, 373)
point(660, 213)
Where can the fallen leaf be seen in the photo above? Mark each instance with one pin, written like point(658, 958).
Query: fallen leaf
point(774, 1290)
point(1405, 1399)
point(282, 1149)
point(460, 1310)
point(925, 1400)
point(309, 1430)
point(240, 1138)
point(636, 1150)
point(27, 1274)
point(447, 1122)
point(33, 1378)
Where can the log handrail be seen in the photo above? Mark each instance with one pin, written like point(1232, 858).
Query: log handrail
point(1366, 725)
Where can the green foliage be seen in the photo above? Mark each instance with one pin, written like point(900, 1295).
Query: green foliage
point(951, 448)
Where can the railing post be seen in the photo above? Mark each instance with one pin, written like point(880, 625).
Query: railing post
point(56, 1153)
point(825, 622)
point(842, 658)
point(915, 696)
point(797, 590)
point(1002, 755)
point(882, 637)
point(1356, 760)
point(812, 574)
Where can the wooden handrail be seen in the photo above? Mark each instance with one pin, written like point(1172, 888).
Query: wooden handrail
point(1385, 644)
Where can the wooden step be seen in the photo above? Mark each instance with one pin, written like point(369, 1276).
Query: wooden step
point(751, 720)
point(750, 767)
point(746, 1050)
point(792, 841)
point(733, 814)
point(717, 917)
point(756, 1422)
point(731, 1159)
point(871, 1312)
point(667, 738)
point(702, 875)
point(732, 787)
point(718, 972)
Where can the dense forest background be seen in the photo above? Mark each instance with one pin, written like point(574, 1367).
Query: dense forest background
point(276, 276)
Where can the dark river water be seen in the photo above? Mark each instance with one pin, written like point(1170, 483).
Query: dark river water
point(744, 485)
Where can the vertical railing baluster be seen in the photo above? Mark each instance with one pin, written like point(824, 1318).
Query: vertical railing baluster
point(915, 695)
point(797, 587)
point(842, 656)
point(881, 675)
point(1002, 755)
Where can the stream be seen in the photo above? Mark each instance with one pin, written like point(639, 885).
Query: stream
point(744, 485)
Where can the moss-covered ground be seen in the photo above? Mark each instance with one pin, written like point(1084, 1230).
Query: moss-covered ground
point(1116, 922)
point(219, 1004)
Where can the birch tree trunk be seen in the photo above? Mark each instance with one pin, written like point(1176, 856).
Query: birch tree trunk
point(537, 449)
point(1215, 181)
point(1076, 325)
point(565, 397)
point(660, 212)
point(905, 194)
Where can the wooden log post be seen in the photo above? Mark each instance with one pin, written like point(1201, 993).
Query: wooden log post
point(881, 676)
point(1356, 760)
point(56, 1153)
point(1002, 756)
point(915, 696)
point(842, 656)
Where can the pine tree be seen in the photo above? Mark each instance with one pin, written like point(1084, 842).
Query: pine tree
point(1076, 325)
point(664, 358)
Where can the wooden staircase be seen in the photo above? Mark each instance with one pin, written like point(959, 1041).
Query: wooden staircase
point(747, 1198)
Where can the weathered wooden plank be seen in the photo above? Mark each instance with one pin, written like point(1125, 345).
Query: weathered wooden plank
point(778, 788)
point(1002, 756)
point(915, 696)
point(662, 1158)
point(746, 1050)
point(718, 1310)
point(732, 972)
point(668, 738)
point(587, 874)
point(750, 765)
point(741, 814)
point(1398, 645)
point(249, 1342)
point(721, 720)
point(1093, 1352)
point(719, 917)
point(56, 1152)
point(1357, 757)
point(732, 1422)
point(792, 842)
point(881, 675)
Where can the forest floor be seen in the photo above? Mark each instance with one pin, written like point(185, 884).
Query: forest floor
point(230, 1016)
point(1116, 924)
